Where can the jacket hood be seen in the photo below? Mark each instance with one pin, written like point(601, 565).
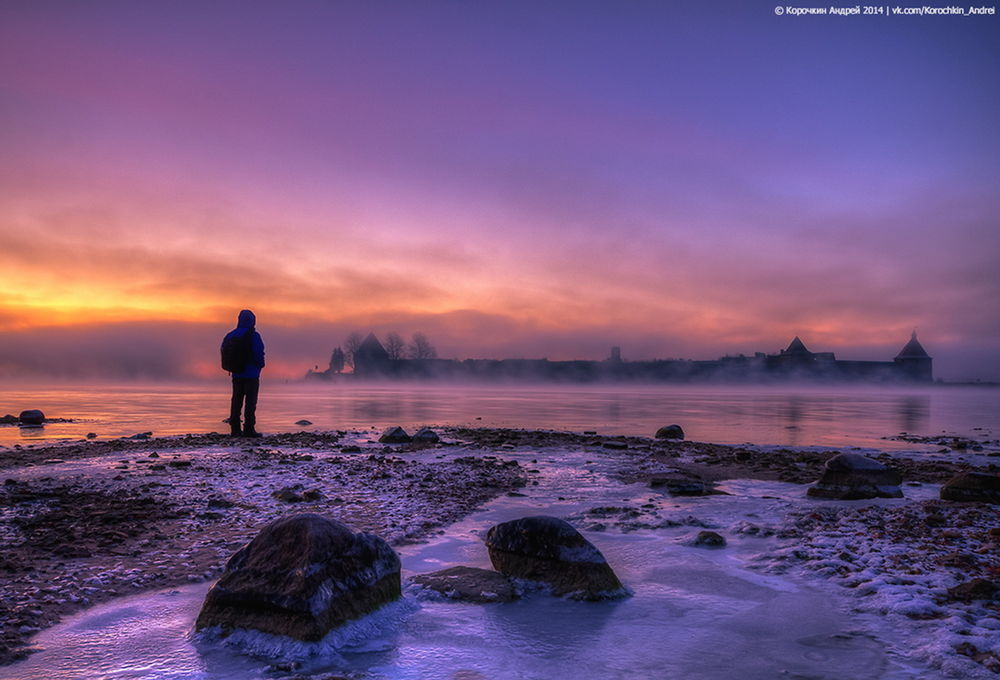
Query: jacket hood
point(247, 319)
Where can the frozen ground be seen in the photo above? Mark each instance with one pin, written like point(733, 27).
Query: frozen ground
point(804, 589)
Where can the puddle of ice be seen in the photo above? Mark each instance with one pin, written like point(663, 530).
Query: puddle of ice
point(695, 613)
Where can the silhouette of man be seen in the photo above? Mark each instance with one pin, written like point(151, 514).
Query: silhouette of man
point(246, 382)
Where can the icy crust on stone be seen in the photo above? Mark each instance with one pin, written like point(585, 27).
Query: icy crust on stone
point(528, 587)
point(544, 537)
point(353, 634)
point(853, 461)
point(581, 553)
point(466, 584)
point(550, 550)
point(302, 576)
point(851, 476)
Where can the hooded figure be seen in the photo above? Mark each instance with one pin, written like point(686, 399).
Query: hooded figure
point(246, 382)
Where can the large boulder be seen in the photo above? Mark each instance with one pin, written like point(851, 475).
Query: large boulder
point(469, 584)
point(394, 435)
point(972, 486)
point(302, 576)
point(670, 432)
point(31, 417)
point(851, 476)
point(549, 550)
point(681, 484)
point(426, 435)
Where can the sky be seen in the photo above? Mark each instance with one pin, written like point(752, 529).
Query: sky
point(513, 179)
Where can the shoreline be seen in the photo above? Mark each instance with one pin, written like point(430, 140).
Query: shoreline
point(91, 521)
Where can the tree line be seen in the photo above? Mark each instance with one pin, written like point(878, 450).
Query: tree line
point(419, 347)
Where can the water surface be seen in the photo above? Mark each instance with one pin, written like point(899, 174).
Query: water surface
point(789, 416)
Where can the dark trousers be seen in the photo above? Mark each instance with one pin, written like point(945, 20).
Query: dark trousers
point(244, 390)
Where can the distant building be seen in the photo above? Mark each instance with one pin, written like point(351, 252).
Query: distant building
point(795, 362)
point(372, 359)
point(914, 362)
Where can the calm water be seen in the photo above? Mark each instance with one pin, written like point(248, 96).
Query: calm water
point(841, 416)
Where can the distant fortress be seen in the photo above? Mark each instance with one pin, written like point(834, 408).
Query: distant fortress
point(911, 365)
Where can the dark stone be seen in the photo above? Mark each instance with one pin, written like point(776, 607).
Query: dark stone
point(976, 589)
point(394, 435)
point(288, 494)
point(549, 550)
point(303, 422)
point(709, 539)
point(468, 584)
point(670, 432)
point(351, 449)
point(31, 417)
point(972, 486)
point(678, 484)
point(426, 435)
point(614, 444)
point(91, 435)
point(9, 420)
point(179, 463)
point(302, 576)
point(851, 476)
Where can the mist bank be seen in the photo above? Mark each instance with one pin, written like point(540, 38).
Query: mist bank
point(175, 350)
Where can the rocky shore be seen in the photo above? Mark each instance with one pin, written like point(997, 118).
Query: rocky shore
point(84, 522)
point(87, 521)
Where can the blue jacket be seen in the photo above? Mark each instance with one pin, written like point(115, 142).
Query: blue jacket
point(245, 325)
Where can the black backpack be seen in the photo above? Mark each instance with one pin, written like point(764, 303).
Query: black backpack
point(237, 352)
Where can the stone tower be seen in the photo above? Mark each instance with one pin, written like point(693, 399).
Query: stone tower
point(913, 362)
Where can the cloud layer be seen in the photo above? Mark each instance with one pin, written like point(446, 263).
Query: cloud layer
point(514, 181)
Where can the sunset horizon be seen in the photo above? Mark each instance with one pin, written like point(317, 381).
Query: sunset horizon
point(452, 171)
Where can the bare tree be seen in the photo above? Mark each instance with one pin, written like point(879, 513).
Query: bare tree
point(351, 345)
point(337, 360)
point(421, 348)
point(395, 345)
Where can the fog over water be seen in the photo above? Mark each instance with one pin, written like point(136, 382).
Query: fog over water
point(774, 415)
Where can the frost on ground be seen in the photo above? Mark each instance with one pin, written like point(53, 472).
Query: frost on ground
point(907, 564)
point(910, 564)
point(83, 524)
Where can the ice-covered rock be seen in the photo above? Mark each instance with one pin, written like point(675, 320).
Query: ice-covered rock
point(681, 484)
point(301, 577)
point(426, 435)
point(549, 550)
point(469, 584)
point(31, 417)
point(972, 486)
point(851, 476)
point(976, 589)
point(709, 539)
point(394, 435)
point(670, 432)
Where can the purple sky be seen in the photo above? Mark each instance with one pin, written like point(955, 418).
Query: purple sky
point(513, 179)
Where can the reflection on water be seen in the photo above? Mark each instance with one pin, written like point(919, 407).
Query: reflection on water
point(914, 413)
point(844, 416)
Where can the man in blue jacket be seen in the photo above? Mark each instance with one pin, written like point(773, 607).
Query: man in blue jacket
point(246, 381)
